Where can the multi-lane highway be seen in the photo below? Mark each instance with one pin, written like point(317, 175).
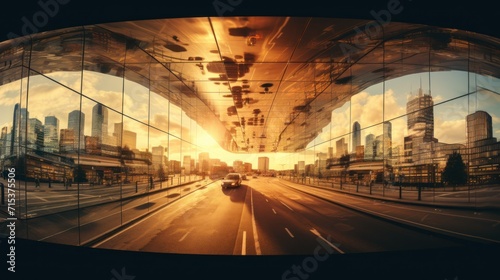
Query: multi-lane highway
point(271, 216)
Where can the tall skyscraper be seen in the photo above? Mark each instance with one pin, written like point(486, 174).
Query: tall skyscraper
point(384, 143)
point(420, 110)
point(356, 136)
point(51, 134)
point(100, 122)
point(76, 122)
point(18, 134)
point(420, 124)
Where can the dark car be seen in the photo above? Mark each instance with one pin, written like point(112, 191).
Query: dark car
point(232, 180)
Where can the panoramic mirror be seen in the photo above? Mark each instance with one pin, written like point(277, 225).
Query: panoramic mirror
point(336, 142)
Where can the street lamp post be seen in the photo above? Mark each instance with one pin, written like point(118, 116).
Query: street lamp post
point(370, 183)
point(400, 176)
point(357, 184)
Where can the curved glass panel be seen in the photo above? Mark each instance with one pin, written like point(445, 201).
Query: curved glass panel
point(53, 143)
point(107, 124)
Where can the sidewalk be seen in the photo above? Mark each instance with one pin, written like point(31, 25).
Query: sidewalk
point(484, 197)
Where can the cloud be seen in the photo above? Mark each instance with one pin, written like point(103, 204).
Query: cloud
point(160, 121)
point(450, 131)
point(10, 94)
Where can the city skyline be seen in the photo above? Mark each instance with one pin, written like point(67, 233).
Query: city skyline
point(449, 125)
point(65, 140)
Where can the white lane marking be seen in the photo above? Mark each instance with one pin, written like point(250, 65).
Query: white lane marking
point(156, 211)
point(88, 195)
point(274, 211)
point(390, 217)
point(286, 205)
point(244, 244)
point(254, 227)
point(38, 197)
point(315, 232)
point(424, 217)
point(185, 235)
point(289, 233)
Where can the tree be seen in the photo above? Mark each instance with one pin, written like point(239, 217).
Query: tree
point(344, 162)
point(455, 172)
point(161, 173)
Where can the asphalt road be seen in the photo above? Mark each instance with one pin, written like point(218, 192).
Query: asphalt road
point(269, 216)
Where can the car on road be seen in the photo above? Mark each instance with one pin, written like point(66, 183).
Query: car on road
point(232, 180)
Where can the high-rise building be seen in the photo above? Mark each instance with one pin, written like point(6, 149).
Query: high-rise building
point(341, 147)
point(247, 167)
point(370, 146)
point(19, 124)
point(204, 162)
point(238, 166)
point(129, 139)
point(187, 165)
point(125, 138)
point(388, 130)
point(3, 141)
point(322, 161)
point(483, 149)
point(300, 168)
point(263, 164)
point(479, 127)
point(35, 134)
point(51, 134)
point(383, 143)
point(158, 157)
point(100, 122)
point(356, 136)
point(76, 122)
point(420, 122)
